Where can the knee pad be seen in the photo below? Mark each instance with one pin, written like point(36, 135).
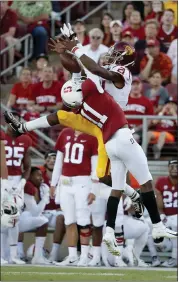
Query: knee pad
point(85, 234)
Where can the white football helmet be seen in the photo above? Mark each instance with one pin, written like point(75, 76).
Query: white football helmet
point(71, 93)
point(9, 213)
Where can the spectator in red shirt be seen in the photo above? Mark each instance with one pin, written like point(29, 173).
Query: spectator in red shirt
point(105, 27)
point(80, 30)
point(21, 91)
point(155, 60)
point(138, 105)
point(153, 10)
point(116, 29)
point(165, 130)
point(46, 95)
point(157, 94)
point(8, 25)
point(168, 31)
point(136, 26)
point(127, 11)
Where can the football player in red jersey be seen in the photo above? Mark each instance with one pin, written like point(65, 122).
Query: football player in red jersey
point(167, 199)
point(75, 174)
point(36, 197)
point(17, 156)
point(52, 210)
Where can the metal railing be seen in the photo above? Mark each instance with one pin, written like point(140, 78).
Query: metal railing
point(28, 50)
point(145, 120)
point(67, 11)
point(38, 132)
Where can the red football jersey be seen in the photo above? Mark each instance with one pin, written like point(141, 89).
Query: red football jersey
point(46, 96)
point(167, 38)
point(77, 151)
point(169, 193)
point(51, 205)
point(138, 106)
point(102, 110)
point(15, 151)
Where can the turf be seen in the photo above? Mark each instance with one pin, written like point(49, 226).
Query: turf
point(35, 273)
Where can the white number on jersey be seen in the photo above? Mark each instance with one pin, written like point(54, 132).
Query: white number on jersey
point(76, 156)
point(171, 199)
point(102, 118)
point(14, 152)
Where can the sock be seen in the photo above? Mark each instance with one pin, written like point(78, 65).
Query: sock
point(129, 191)
point(84, 250)
point(20, 248)
point(13, 251)
point(112, 207)
point(4, 245)
point(96, 251)
point(150, 203)
point(174, 248)
point(54, 251)
point(151, 246)
point(140, 243)
point(39, 243)
point(13, 234)
point(72, 251)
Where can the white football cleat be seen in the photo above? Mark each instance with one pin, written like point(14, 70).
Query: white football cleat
point(69, 261)
point(170, 263)
point(40, 260)
point(141, 263)
point(83, 261)
point(161, 231)
point(110, 241)
point(119, 262)
point(155, 261)
point(3, 261)
point(16, 261)
point(95, 262)
point(128, 256)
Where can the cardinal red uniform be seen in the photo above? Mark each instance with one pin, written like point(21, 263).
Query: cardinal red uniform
point(76, 159)
point(167, 38)
point(77, 151)
point(123, 151)
point(15, 151)
point(170, 195)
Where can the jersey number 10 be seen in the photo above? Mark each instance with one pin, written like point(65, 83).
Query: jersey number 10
point(76, 155)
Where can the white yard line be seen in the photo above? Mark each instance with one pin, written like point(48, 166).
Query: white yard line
point(64, 273)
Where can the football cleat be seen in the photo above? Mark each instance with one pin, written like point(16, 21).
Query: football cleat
point(141, 263)
point(16, 125)
point(83, 261)
point(119, 262)
point(170, 263)
point(95, 262)
point(69, 261)
point(40, 260)
point(161, 231)
point(110, 240)
point(3, 261)
point(155, 261)
point(17, 261)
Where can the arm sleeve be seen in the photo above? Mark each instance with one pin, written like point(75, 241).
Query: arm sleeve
point(31, 205)
point(57, 170)
point(77, 122)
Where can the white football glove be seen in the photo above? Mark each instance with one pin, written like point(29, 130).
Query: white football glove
point(45, 192)
point(67, 30)
point(127, 203)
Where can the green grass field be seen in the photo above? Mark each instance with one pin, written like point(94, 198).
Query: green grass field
point(36, 273)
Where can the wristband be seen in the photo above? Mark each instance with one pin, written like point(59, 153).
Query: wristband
point(77, 52)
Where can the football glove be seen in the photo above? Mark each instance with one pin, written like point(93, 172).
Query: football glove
point(67, 31)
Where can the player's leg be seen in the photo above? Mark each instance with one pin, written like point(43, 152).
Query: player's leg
point(4, 246)
point(131, 153)
point(137, 230)
point(118, 173)
point(20, 246)
point(83, 220)
point(57, 222)
point(67, 203)
point(98, 210)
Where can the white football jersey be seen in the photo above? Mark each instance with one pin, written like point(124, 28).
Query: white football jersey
point(120, 95)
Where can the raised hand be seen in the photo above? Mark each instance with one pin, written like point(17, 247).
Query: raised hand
point(57, 46)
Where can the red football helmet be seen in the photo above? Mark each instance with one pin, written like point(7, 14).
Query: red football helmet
point(121, 53)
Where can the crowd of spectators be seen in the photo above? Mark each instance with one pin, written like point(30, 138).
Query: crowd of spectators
point(150, 26)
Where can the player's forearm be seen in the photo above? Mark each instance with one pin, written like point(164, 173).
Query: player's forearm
point(57, 169)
